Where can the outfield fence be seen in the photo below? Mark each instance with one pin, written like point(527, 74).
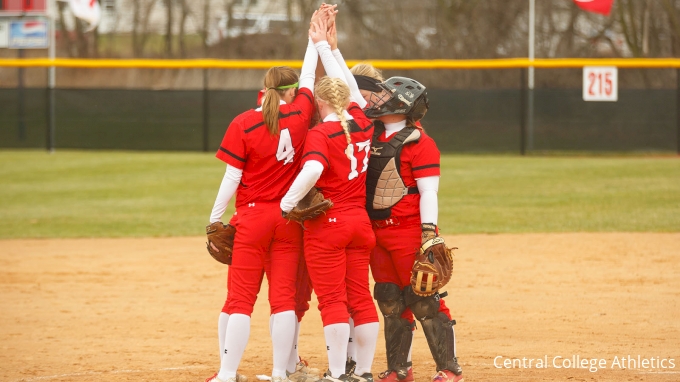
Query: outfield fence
point(497, 119)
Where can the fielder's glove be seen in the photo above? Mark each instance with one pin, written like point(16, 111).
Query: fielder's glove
point(434, 263)
point(309, 207)
point(220, 241)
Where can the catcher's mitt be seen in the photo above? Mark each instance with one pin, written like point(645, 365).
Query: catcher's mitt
point(309, 207)
point(432, 268)
point(222, 237)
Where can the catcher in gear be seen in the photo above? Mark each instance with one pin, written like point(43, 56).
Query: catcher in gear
point(410, 263)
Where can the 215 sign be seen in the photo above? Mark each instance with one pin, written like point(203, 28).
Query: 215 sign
point(600, 83)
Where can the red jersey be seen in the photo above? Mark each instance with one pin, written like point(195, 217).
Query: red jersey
point(343, 180)
point(418, 160)
point(269, 163)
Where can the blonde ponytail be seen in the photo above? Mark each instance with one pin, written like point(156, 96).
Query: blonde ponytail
point(336, 93)
point(276, 77)
point(339, 108)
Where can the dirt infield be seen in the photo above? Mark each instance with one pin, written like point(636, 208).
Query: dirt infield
point(529, 308)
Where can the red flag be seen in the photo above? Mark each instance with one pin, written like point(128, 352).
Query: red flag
point(597, 6)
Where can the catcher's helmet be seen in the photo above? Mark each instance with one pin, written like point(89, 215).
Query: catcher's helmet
point(406, 96)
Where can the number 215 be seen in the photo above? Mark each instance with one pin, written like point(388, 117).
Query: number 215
point(600, 83)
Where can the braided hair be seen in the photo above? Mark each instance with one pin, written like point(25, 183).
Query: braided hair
point(336, 93)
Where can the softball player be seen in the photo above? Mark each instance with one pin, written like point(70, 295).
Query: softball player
point(262, 150)
point(402, 184)
point(297, 369)
point(337, 245)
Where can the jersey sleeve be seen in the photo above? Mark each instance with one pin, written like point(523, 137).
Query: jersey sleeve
point(355, 110)
point(358, 113)
point(233, 147)
point(304, 104)
point(426, 158)
point(316, 148)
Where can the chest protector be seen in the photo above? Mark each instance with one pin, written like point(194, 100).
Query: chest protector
point(384, 186)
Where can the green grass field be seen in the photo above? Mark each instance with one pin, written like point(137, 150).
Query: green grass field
point(117, 194)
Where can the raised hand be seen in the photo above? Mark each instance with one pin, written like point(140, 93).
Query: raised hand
point(331, 11)
point(315, 17)
point(332, 37)
point(317, 31)
point(325, 7)
point(327, 12)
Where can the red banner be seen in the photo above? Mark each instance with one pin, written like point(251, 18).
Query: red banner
point(23, 6)
point(598, 6)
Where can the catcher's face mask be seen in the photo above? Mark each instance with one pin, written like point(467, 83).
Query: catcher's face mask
point(375, 99)
point(398, 97)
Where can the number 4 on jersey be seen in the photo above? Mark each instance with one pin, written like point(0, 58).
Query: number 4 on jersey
point(285, 150)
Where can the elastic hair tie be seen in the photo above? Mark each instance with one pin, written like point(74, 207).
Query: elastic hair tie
point(295, 85)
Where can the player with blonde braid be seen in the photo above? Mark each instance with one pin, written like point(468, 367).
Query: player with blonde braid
point(335, 93)
point(337, 245)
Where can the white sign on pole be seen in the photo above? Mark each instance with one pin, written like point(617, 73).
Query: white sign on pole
point(4, 34)
point(600, 83)
point(28, 34)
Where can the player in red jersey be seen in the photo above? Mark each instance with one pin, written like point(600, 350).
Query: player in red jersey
point(297, 369)
point(338, 244)
point(262, 149)
point(402, 185)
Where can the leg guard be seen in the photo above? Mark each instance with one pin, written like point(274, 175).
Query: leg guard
point(398, 335)
point(438, 330)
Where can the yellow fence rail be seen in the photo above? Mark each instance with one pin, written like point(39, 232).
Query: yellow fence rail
point(507, 63)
